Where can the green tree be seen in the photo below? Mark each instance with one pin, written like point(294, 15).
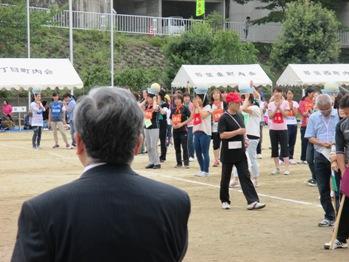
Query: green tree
point(277, 8)
point(13, 29)
point(228, 49)
point(309, 35)
point(204, 46)
point(137, 78)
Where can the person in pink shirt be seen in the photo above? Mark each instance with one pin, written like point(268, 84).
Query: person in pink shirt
point(7, 109)
point(278, 110)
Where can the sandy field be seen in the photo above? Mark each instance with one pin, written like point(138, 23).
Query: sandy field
point(286, 230)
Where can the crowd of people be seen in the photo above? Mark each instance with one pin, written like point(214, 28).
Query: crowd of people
point(233, 122)
point(109, 119)
point(58, 116)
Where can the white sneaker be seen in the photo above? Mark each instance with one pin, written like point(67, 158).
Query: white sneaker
point(255, 205)
point(234, 183)
point(286, 173)
point(259, 156)
point(336, 244)
point(225, 205)
point(201, 174)
point(191, 159)
point(276, 171)
point(293, 162)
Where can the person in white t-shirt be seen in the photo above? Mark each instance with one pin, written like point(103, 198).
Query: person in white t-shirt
point(37, 120)
point(202, 130)
point(217, 111)
point(251, 107)
point(291, 121)
point(278, 111)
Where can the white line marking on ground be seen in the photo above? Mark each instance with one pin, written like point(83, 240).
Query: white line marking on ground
point(216, 186)
point(198, 183)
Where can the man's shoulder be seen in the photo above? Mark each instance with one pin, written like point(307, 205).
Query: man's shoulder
point(67, 194)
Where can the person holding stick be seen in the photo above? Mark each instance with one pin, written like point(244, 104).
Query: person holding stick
point(321, 133)
point(341, 232)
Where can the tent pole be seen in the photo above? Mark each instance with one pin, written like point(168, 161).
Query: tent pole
point(28, 28)
point(112, 43)
point(29, 100)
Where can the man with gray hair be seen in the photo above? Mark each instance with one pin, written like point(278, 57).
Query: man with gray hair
point(321, 132)
point(110, 213)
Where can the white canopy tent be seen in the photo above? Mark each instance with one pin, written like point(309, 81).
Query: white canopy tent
point(314, 74)
point(220, 75)
point(24, 73)
point(38, 73)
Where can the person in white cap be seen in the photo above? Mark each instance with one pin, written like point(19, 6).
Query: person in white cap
point(151, 123)
point(202, 130)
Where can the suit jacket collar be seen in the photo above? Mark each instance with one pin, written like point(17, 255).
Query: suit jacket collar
point(108, 168)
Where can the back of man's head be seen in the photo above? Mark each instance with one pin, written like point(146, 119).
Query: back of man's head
point(109, 122)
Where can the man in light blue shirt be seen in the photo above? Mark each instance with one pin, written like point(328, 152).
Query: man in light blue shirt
point(69, 103)
point(321, 131)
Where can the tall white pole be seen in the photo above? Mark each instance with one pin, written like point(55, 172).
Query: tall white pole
point(112, 43)
point(28, 45)
point(71, 47)
point(28, 28)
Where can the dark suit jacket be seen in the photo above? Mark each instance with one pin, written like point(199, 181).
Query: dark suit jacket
point(109, 214)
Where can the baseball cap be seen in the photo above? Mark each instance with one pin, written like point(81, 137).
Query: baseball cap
point(233, 98)
point(154, 89)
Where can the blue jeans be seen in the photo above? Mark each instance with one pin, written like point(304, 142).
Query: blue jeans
point(190, 142)
point(202, 145)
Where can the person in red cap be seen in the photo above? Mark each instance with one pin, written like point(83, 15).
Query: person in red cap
point(232, 132)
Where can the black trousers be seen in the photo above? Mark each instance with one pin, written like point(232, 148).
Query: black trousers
point(292, 136)
point(162, 136)
point(323, 179)
point(245, 181)
point(278, 137)
point(180, 140)
point(36, 139)
point(304, 144)
point(343, 229)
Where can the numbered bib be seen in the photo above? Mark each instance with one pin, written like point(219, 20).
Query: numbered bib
point(176, 119)
point(217, 114)
point(197, 119)
point(278, 118)
point(148, 114)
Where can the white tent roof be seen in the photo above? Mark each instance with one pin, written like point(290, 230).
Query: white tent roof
point(23, 73)
point(220, 75)
point(314, 74)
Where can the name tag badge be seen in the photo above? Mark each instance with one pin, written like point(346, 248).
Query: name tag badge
point(147, 123)
point(235, 145)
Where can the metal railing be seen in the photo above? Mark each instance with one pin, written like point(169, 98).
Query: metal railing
point(122, 23)
point(161, 26)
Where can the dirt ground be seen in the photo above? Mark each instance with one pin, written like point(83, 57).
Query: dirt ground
point(286, 230)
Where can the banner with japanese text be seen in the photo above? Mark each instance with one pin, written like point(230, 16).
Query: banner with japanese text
point(200, 7)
